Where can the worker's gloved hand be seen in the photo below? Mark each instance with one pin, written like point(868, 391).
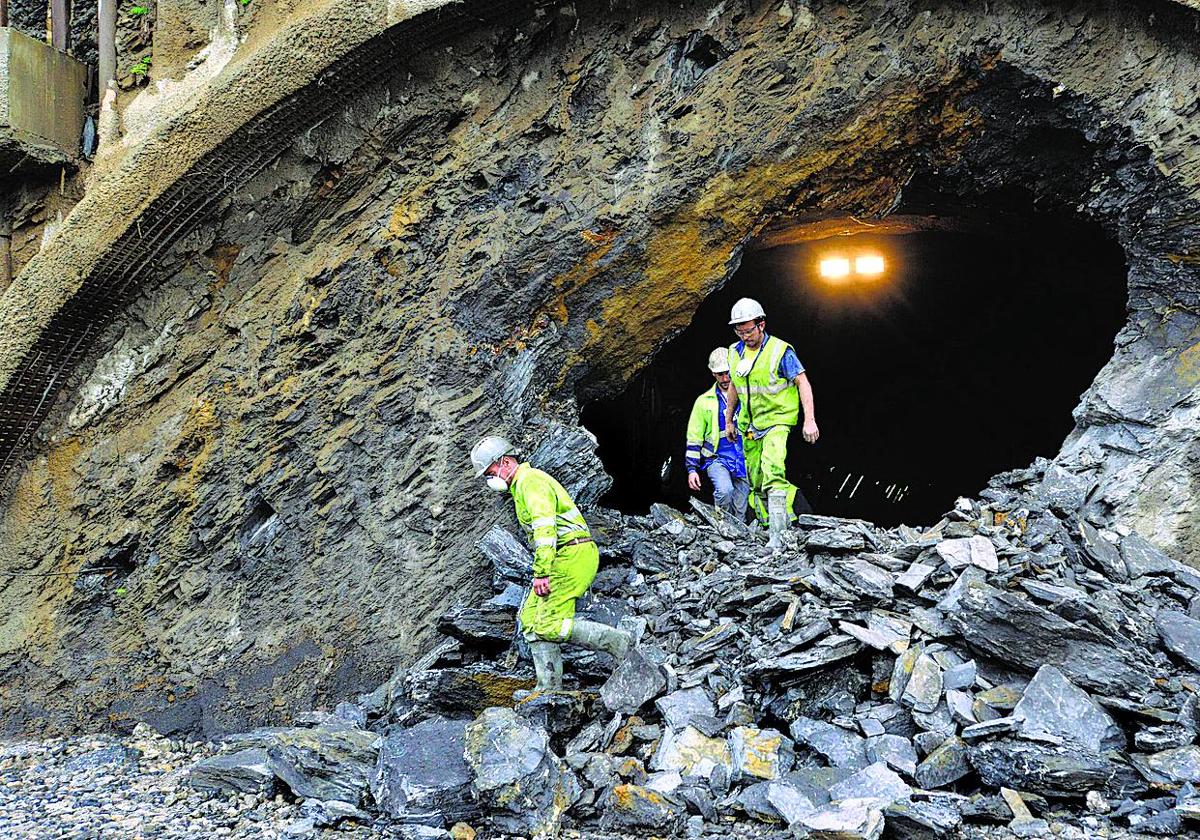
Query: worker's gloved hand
point(694, 482)
point(541, 586)
point(811, 432)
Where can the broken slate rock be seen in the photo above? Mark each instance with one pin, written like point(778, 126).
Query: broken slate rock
point(1180, 635)
point(1053, 705)
point(836, 539)
point(970, 551)
point(848, 819)
point(759, 753)
point(895, 751)
point(691, 752)
point(1052, 770)
point(524, 785)
point(511, 560)
point(840, 747)
point(790, 802)
point(923, 819)
point(422, 777)
point(876, 783)
point(635, 682)
point(679, 707)
point(1142, 558)
point(245, 771)
point(1170, 767)
point(324, 762)
point(1105, 555)
point(1026, 636)
point(915, 577)
point(631, 806)
point(923, 691)
point(948, 763)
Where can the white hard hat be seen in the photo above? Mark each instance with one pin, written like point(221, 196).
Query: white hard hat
point(488, 451)
point(746, 309)
point(718, 360)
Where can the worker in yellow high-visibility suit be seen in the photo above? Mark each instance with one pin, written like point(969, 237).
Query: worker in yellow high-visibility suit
point(770, 384)
point(565, 561)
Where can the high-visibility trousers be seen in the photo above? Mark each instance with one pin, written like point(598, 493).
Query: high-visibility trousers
point(766, 466)
point(552, 618)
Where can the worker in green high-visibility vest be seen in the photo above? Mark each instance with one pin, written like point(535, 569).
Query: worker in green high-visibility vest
point(771, 386)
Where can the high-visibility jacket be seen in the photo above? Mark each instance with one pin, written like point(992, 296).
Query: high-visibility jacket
point(767, 399)
point(704, 427)
point(547, 514)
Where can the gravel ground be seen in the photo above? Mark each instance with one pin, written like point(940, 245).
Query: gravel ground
point(102, 786)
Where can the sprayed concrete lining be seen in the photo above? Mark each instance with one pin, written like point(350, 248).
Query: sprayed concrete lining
point(162, 187)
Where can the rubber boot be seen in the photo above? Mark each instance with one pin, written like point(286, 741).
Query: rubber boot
point(596, 636)
point(777, 518)
point(547, 664)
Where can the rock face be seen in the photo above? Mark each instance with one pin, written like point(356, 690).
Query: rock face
point(252, 486)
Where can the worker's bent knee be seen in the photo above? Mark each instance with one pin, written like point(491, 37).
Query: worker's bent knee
point(556, 630)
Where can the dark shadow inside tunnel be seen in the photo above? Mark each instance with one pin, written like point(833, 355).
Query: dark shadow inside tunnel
point(964, 358)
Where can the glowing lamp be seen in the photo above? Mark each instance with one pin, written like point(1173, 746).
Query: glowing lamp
point(835, 268)
point(868, 264)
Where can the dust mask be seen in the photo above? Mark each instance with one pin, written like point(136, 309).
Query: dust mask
point(497, 483)
point(744, 366)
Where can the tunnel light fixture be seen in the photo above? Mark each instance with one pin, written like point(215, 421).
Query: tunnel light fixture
point(835, 268)
point(868, 264)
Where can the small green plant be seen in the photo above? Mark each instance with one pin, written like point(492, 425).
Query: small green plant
point(141, 67)
point(244, 2)
point(138, 11)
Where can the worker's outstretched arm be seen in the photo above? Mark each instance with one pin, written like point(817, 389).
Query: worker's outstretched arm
point(540, 502)
point(731, 404)
point(811, 432)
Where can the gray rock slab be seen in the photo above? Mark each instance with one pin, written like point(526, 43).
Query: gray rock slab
point(691, 752)
point(1052, 770)
point(1143, 558)
point(915, 577)
point(918, 819)
point(840, 747)
point(325, 762)
point(960, 677)
point(790, 802)
point(1170, 767)
point(523, 784)
point(422, 776)
point(245, 771)
point(835, 539)
point(759, 753)
point(970, 551)
point(1180, 635)
point(948, 763)
point(679, 707)
point(511, 560)
point(987, 728)
point(876, 782)
point(847, 819)
point(895, 751)
point(1054, 705)
point(1104, 554)
point(636, 807)
point(923, 691)
point(635, 682)
point(826, 652)
point(1011, 629)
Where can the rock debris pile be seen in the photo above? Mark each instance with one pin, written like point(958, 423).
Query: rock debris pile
point(1014, 667)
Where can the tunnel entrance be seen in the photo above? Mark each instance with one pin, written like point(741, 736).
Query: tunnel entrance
point(964, 358)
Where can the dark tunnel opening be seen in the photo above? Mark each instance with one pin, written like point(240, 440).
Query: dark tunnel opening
point(963, 359)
